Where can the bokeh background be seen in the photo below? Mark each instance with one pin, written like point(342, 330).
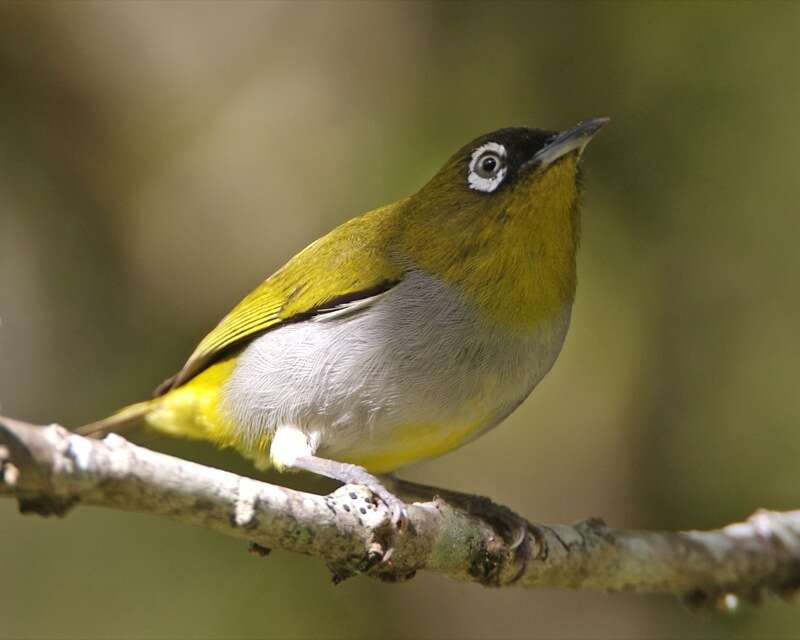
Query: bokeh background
point(157, 160)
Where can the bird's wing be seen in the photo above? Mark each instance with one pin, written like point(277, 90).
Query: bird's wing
point(350, 264)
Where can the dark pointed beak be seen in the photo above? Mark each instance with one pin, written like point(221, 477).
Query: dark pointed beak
point(570, 140)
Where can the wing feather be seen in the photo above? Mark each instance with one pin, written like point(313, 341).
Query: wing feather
point(353, 262)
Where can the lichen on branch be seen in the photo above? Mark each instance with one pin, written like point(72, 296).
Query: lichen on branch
point(50, 471)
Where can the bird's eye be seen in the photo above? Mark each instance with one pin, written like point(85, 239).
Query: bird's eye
point(487, 167)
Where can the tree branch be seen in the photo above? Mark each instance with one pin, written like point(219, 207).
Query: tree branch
point(50, 470)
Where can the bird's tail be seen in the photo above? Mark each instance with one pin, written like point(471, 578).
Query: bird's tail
point(122, 420)
point(191, 410)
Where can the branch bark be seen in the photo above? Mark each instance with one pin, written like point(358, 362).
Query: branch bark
point(50, 470)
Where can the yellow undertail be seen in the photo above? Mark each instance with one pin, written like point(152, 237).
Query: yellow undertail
point(190, 411)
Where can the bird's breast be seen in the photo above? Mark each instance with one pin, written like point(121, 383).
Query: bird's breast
point(412, 374)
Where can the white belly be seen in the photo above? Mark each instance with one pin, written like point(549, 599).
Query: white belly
point(413, 374)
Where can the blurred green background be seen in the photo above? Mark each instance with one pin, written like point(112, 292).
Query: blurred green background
point(159, 159)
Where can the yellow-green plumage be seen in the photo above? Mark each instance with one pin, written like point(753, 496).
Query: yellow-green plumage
point(353, 257)
point(470, 279)
point(517, 263)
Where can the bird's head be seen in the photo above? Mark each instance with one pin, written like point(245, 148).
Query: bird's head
point(500, 220)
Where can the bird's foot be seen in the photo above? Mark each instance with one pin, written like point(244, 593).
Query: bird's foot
point(383, 514)
point(513, 528)
point(354, 474)
point(398, 510)
point(372, 493)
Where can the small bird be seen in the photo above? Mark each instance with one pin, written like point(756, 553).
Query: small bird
point(401, 334)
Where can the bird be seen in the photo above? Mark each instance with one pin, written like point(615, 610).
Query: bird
point(403, 333)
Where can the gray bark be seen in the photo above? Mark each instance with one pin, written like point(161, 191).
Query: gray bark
point(50, 470)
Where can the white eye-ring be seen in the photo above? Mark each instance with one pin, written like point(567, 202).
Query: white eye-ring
point(487, 167)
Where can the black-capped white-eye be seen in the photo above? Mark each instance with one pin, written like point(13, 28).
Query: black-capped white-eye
point(487, 167)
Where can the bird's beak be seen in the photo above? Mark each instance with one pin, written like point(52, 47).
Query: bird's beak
point(570, 140)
